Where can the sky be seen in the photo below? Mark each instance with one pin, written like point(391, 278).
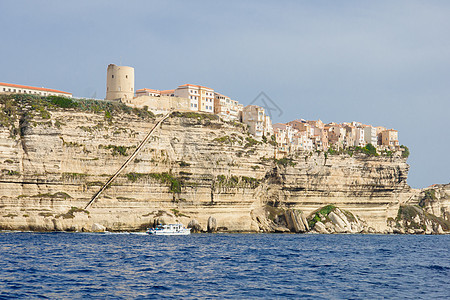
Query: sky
point(384, 63)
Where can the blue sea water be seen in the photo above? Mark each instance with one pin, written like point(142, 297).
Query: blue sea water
point(243, 266)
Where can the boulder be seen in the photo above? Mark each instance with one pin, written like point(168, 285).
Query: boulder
point(338, 222)
point(305, 222)
point(294, 220)
point(98, 228)
point(212, 224)
point(195, 226)
point(320, 228)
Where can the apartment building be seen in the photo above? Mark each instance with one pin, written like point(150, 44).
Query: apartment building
point(10, 88)
point(226, 108)
point(370, 135)
point(254, 116)
point(168, 93)
point(201, 98)
point(389, 138)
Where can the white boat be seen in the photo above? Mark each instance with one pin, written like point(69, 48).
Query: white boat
point(170, 229)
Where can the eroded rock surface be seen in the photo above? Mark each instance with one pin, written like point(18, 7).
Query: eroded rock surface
point(195, 167)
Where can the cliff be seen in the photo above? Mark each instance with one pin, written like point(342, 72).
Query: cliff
point(197, 169)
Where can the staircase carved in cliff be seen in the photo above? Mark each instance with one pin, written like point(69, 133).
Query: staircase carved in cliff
point(130, 159)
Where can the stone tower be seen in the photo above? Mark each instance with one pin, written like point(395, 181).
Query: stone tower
point(119, 83)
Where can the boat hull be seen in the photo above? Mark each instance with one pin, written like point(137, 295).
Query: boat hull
point(187, 232)
point(171, 229)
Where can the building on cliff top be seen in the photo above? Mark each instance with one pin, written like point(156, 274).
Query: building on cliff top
point(258, 125)
point(201, 97)
point(227, 108)
point(10, 88)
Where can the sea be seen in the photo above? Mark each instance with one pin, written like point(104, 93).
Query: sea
point(223, 266)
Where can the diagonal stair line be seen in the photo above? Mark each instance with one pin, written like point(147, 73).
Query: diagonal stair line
point(136, 152)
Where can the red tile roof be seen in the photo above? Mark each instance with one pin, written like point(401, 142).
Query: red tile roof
point(167, 91)
point(148, 90)
point(194, 85)
point(33, 88)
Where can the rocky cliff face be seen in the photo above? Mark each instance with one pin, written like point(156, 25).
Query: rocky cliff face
point(195, 167)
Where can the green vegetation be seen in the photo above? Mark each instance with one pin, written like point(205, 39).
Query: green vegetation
point(10, 216)
point(407, 215)
point(73, 176)
point(250, 142)
point(174, 183)
point(369, 149)
point(25, 107)
point(331, 151)
point(62, 102)
point(223, 140)
point(177, 213)
point(10, 172)
point(71, 213)
point(387, 152)
point(405, 153)
point(274, 212)
point(61, 195)
point(184, 164)
point(273, 141)
point(117, 150)
point(430, 196)
point(70, 144)
point(234, 139)
point(285, 162)
point(195, 115)
point(321, 213)
point(237, 181)
point(46, 214)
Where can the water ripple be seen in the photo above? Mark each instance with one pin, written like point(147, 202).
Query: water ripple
point(225, 266)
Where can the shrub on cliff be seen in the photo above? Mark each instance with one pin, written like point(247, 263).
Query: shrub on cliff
point(285, 162)
point(319, 214)
point(62, 102)
point(405, 153)
point(369, 149)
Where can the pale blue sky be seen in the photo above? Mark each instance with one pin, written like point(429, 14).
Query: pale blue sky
point(383, 63)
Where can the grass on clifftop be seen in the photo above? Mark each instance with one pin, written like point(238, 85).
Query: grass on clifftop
point(26, 107)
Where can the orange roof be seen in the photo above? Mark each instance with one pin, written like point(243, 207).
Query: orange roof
point(148, 90)
point(33, 88)
point(167, 91)
point(194, 85)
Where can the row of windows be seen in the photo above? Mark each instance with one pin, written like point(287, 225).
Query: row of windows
point(26, 92)
point(193, 105)
point(204, 93)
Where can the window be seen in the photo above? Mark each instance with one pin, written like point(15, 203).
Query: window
point(126, 76)
point(131, 89)
point(112, 76)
